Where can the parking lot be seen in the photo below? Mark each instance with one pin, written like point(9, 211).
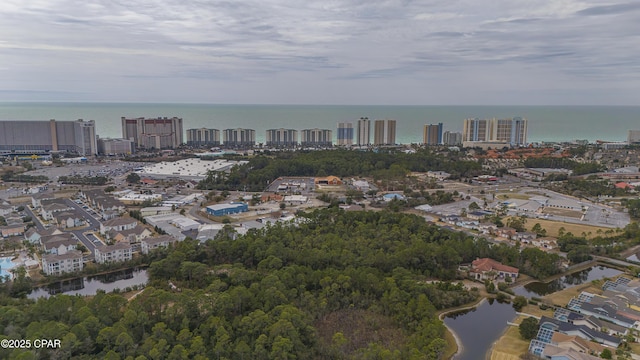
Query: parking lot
point(111, 170)
point(292, 185)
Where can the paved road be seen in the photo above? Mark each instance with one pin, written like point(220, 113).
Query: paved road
point(93, 224)
point(36, 220)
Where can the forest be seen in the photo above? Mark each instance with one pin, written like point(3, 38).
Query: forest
point(334, 285)
point(384, 164)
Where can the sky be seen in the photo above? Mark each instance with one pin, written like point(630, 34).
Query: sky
point(386, 52)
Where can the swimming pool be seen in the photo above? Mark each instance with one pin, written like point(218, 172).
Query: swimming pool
point(5, 265)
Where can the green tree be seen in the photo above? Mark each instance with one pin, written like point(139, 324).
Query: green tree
point(606, 354)
point(133, 178)
point(529, 328)
point(519, 302)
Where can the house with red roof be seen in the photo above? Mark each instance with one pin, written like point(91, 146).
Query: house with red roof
point(486, 268)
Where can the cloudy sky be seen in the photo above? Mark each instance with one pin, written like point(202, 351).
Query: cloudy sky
point(426, 52)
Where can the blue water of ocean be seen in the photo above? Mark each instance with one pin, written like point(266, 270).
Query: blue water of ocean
point(546, 123)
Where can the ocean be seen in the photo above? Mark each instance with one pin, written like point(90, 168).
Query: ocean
point(546, 123)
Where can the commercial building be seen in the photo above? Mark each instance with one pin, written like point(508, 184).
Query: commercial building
point(227, 209)
point(363, 136)
point(452, 138)
point(186, 169)
point(432, 134)
point(110, 146)
point(282, 137)
point(30, 137)
point(508, 131)
point(384, 132)
point(239, 138)
point(158, 133)
point(316, 138)
point(203, 137)
point(345, 134)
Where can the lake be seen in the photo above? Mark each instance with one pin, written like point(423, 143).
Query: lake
point(536, 289)
point(91, 284)
point(479, 328)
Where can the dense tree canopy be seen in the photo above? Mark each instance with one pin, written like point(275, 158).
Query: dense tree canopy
point(263, 169)
point(277, 293)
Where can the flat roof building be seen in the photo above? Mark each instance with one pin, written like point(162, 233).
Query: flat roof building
point(36, 136)
point(239, 138)
point(432, 134)
point(345, 134)
point(227, 209)
point(510, 131)
point(316, 138)
point(282, 137)
point(158, 133)
point(203, 137)
point(384, 132)
point(363, 136)
point(110, 146)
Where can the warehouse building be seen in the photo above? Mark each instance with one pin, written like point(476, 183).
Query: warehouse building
point(227, 209)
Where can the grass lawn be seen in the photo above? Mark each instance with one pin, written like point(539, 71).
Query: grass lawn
point(452, 346)
point(552, 227)
point(509, 195)
point(562, 298)
point(510, 345)
point(535, 311)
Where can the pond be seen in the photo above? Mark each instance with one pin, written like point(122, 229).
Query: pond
point(536, 289)
point(479, 328)
point(91, 284)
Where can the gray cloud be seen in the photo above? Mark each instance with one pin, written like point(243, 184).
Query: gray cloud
point(339, 51)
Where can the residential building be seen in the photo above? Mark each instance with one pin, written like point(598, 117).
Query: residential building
point(227, 209)
point(33, 235)
point(203, 137)
point(239, 138)
point(50, 207)
point(59, 244)
point(33, 136)
point(118, 224)
point(321, 138)
point(282, 138)
point(633, 137)
point(512, 131)
point(69, 219)
point(384, 132)
point(130, 236)
point(151, 243)
point(452, 138)
point(487, 268)
point(345, 134)
point(60, 264)
point(12, 230)
point(363, 135)
point(432, 134)
point(109, 146)
point(113, 253)
point(158, 133)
